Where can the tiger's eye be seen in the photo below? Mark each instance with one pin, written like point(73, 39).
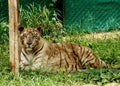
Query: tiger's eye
point(35, 36)
point(25, 35)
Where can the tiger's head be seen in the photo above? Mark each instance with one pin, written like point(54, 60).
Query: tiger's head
point(29, 37)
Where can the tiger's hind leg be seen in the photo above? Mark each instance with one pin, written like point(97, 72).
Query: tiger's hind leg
point(95, 62)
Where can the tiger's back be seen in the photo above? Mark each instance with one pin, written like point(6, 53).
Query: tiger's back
point(73, 57)
point(38, 53)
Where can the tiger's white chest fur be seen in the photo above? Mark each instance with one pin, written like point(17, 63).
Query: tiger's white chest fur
point(38, 61)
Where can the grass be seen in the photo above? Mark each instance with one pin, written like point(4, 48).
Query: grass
point(106, 48)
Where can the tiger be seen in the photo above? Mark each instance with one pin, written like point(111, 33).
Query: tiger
point(38, 53)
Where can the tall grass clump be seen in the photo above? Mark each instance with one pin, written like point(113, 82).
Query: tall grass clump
point(4, 40)
point(34, 16)
point(3, 32)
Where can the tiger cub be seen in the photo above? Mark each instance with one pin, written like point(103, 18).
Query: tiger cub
point(37, 53)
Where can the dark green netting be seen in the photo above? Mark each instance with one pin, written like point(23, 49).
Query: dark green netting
point(89, 15)
point(3, 9)
point(92, 15)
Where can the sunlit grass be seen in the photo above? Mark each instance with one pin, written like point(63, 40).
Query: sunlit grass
point(107, 49)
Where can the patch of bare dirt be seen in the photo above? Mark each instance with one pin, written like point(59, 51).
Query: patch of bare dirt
point(112, 84)
point(108, 84)
point(92, 36)
point(103, 35)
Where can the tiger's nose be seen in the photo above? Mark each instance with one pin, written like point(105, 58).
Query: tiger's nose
point(29, 43)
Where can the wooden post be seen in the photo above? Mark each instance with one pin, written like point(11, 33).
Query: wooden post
point(14, 20)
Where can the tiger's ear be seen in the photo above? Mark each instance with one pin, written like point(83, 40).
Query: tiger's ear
point(39, 28)
point(20, 28)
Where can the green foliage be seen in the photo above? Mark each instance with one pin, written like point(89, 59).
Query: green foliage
point(34, 16)
point(98, 76)
point(4, 58)
point(109, 50)
point(3, 32)
point(4, 9)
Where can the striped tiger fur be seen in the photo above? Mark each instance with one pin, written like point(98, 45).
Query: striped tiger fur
point(37, 53)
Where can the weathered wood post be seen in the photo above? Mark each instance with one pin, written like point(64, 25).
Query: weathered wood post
point(14, 20)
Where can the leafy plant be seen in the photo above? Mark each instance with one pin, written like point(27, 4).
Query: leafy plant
point(3, 32)
point(34, 16)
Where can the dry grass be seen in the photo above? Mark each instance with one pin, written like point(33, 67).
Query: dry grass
point(103, 35)
point(112, 84)
point(108, 84)
point(93, 36)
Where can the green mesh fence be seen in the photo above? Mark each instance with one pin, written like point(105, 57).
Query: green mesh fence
point(88, 15)
point(92, 15)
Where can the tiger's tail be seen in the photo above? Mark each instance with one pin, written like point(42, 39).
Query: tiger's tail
point(94, 62)
point(98, 63)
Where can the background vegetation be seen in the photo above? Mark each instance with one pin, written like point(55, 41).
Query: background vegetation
point(31, 16)
point(47, 19)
